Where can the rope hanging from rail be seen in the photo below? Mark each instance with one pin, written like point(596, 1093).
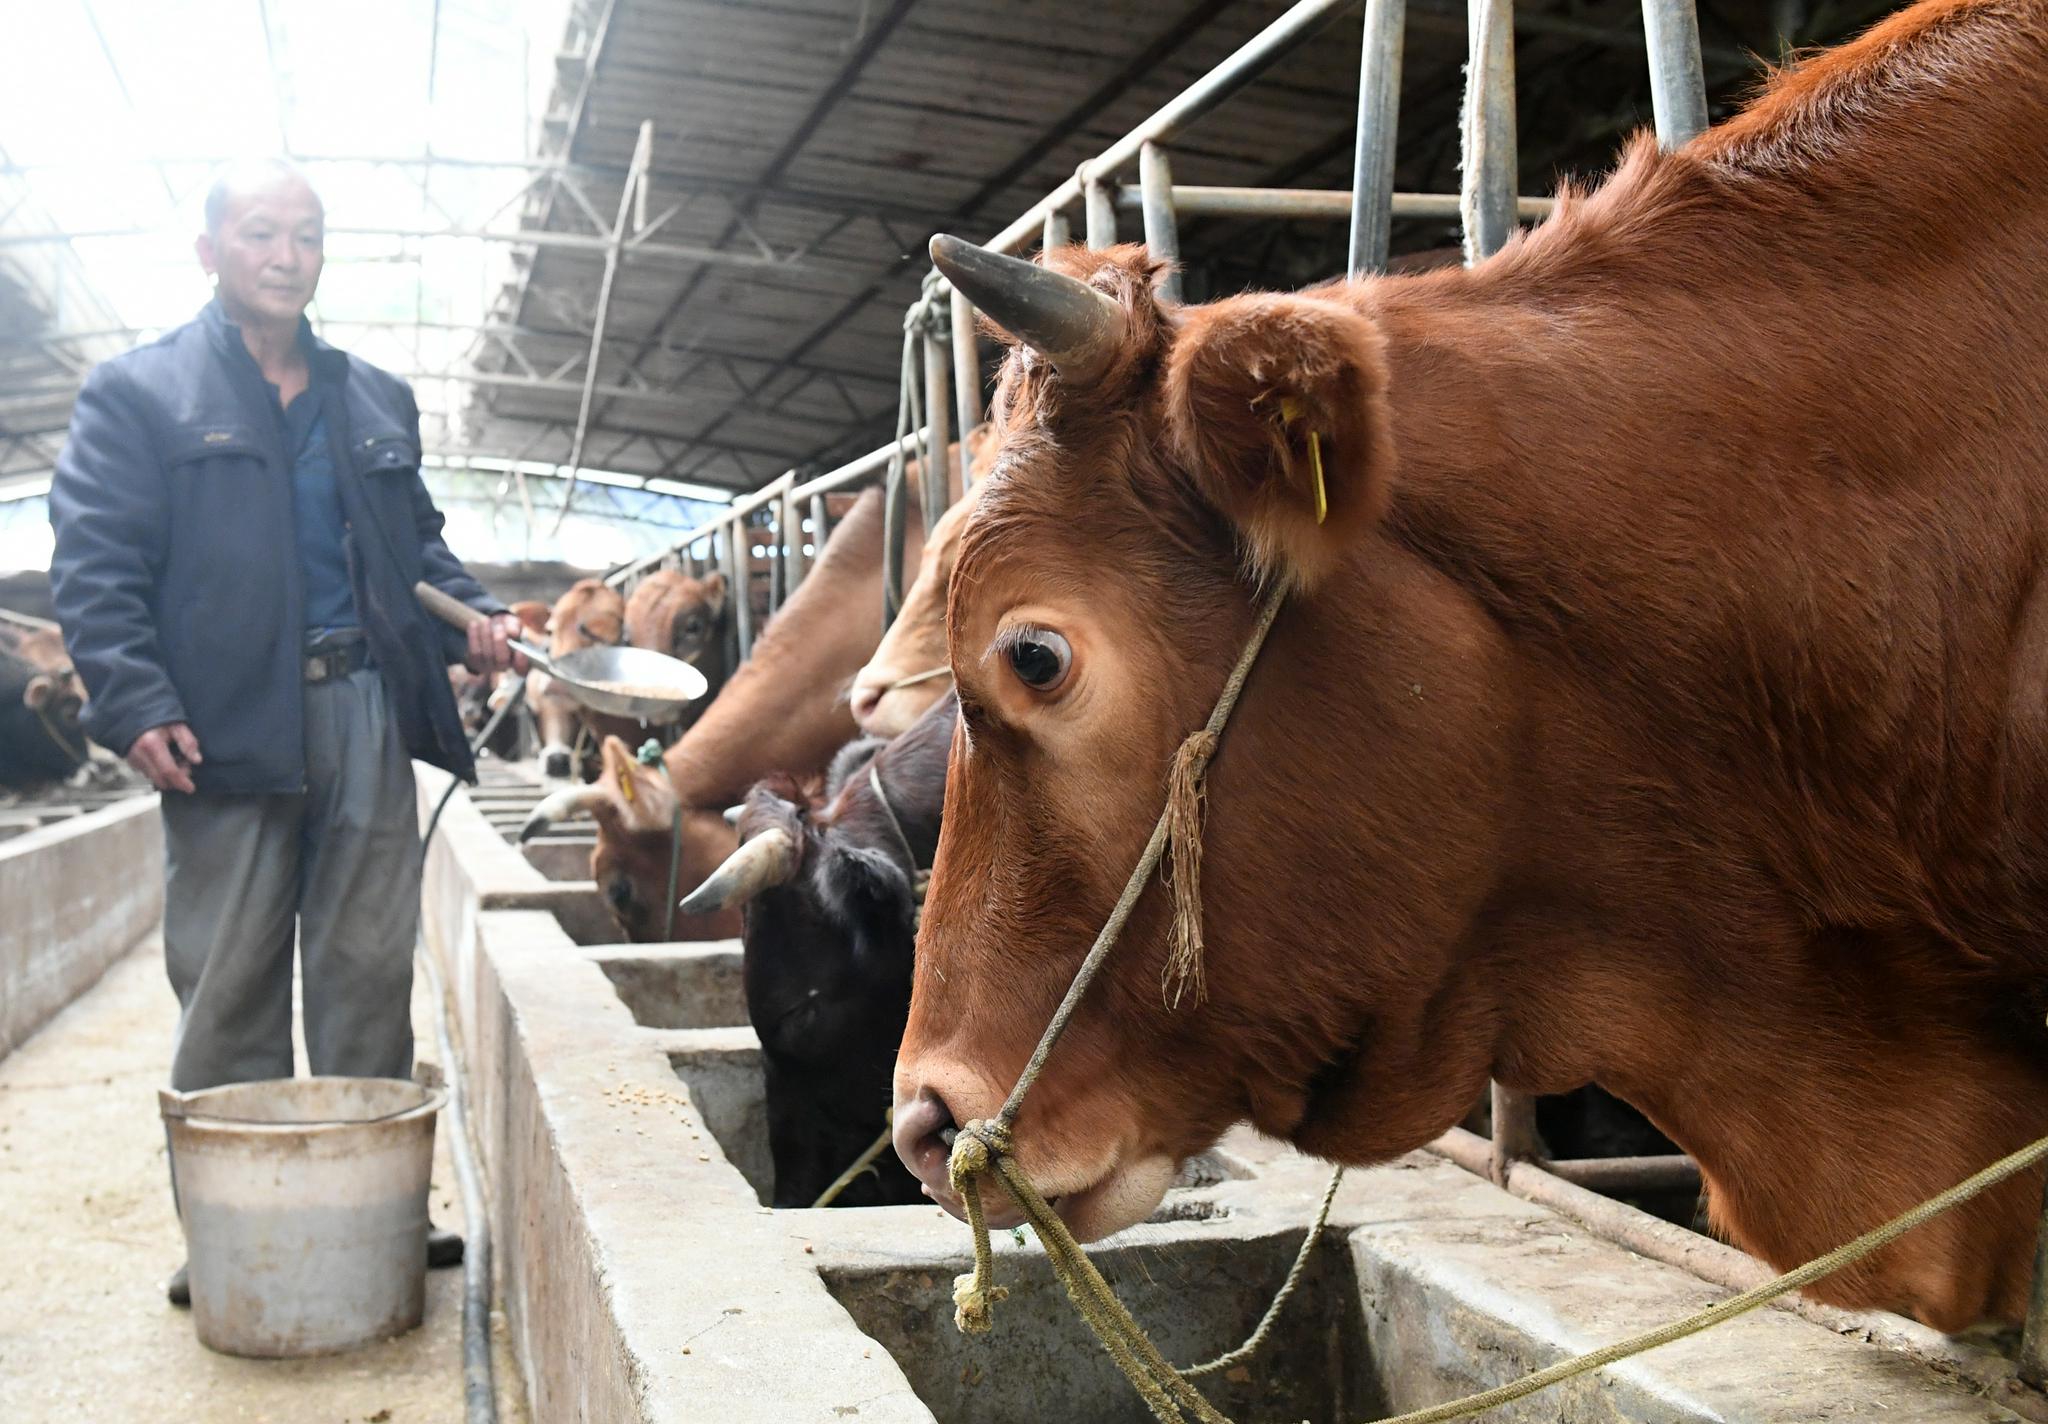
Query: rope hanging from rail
point(929, 317)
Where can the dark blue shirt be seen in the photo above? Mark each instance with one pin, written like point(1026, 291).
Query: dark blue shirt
point(317, 516)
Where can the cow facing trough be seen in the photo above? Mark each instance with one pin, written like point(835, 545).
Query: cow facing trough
point(1661, 699)
point(41, 698)
point(784, 710)
point(831, 892)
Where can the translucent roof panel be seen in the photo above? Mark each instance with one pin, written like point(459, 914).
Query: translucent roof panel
point(414, 120)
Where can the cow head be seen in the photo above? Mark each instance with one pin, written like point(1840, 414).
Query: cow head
point(1159, 467)
point(829, 890)
point(684, 617)
point(590, 613)
point(909, 672)
point(51, 699)
point(639, 837)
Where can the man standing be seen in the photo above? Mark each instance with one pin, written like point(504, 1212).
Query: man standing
point(239, 524)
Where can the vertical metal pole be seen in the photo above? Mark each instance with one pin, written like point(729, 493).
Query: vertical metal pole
point(1489, 162)
point(1099, 196)
point(1678, 84)
point(1057, 231)
point(938, 400)
point(1155, 192)
point(739, 577)
point(2033, 1357)
point(1489, 207)
point(1379, 117)
point(966, 381)
point(791, 519)
point(1514, 1132)
point(820, 516)
point(775, 532)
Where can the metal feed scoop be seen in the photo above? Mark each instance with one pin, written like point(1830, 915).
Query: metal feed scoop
point(619, 682)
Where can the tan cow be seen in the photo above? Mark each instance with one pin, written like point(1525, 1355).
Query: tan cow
point(688, 618)
point(587, 615)
point(1660, 698)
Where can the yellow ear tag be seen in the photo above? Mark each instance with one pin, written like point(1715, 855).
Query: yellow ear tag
point(1290, 411)
point(1315, 464)
point(626, 783)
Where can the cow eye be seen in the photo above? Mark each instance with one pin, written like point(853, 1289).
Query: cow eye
point(1040, 658)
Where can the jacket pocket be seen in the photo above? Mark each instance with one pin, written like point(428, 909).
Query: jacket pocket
point(384, 455)
point(188, 446)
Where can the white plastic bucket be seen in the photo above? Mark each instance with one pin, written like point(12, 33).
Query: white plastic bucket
point(304, 1203)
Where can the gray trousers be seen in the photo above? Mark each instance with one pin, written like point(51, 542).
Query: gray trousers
point(342, 860)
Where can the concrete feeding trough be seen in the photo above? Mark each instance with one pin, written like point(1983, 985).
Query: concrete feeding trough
point(621, 1107)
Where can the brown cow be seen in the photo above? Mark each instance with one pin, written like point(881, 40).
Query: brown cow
point(909, 671)
point(41, 698)
point(1663, 701)
point(784, 710)
point(588, 614)
point(688, 618)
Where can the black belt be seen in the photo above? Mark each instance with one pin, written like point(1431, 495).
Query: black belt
point(327, 661)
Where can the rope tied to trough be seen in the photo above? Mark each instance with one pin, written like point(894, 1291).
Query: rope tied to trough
point(985, 1148)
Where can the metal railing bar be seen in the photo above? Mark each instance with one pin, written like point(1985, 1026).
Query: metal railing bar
point(1311, 204)
point(1379, 114)
point(1299, 22)
point(1162, 231)
point(1678, 81)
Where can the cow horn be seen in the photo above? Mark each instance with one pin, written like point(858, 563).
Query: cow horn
point(1066, 321)
point(568, 804)
point(762, 861)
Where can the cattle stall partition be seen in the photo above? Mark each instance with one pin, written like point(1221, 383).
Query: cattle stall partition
point(767, 540)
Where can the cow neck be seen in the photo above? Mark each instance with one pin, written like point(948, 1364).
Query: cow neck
point(785, 708)
point(1816, 1095)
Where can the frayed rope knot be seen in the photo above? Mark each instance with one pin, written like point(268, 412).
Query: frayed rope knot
point(974, 1305)
point(1186, 792)
point(974, 1154)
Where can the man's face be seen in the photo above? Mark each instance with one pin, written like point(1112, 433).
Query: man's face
point(267, 251)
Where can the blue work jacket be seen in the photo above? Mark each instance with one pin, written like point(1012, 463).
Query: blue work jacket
point(176, 572)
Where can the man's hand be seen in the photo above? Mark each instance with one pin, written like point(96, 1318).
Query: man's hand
point(490, 645)
point(165, 755)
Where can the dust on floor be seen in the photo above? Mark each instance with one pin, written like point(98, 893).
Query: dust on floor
point(88, 1235)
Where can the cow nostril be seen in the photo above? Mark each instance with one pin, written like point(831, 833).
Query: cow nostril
point(865, 701)
point(924, 1130)
point(555, 764)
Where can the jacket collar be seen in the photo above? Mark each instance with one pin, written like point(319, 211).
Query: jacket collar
point(325, 361)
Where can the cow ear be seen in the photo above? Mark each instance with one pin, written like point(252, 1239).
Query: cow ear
point(38, 692)
point(636, 797)
point(714, 593)
point(1276, 406)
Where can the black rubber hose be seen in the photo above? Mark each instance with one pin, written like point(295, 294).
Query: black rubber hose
point(479, 1387)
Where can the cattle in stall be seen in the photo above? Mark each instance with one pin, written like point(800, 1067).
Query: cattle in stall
point(831, 887)
point(1660, 697)
point(588, 614)
point(688, 618)
point(909, 671)
point(41, 697)
point(783, 710)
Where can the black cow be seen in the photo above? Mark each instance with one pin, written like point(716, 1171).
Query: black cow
point(40, 699)
point(831, 889)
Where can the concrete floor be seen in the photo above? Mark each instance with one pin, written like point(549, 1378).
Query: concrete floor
point(87, 1236)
